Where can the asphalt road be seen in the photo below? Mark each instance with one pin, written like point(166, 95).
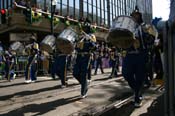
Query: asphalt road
point(47, 98)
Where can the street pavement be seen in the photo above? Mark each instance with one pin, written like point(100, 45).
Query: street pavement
point(46, 97)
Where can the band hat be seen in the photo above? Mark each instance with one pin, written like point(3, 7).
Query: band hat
point(93, 38)
point(136, 11)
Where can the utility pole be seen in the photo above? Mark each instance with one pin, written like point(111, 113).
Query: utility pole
point(0, 19)
point(53, 6)
point(51, 26)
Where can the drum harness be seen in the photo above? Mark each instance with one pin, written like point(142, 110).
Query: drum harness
point(140, 34)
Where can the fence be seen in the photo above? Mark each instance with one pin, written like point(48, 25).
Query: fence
point(22, 63)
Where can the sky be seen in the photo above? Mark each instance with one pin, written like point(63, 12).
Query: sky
point(161, 8)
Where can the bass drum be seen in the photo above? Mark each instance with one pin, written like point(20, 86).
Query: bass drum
point(48, 44)
point(65, 41)
point(121, 34)
point(17, 47)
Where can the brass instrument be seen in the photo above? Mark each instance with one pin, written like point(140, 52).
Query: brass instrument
point(29, 48)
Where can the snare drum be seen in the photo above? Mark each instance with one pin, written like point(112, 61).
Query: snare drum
point(48, 44)
point(18, 47)
point(65, 41)
point(121, 33)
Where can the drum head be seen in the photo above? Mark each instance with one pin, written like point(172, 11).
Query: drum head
point(124, 23)
point(48, 44)
point(65, 41)
point(17, 47)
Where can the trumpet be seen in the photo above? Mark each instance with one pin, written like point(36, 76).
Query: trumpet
point(90, 37)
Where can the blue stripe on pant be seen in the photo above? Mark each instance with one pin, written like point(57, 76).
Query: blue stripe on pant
point(80, 71)
point(31, 69)
point(9, 72)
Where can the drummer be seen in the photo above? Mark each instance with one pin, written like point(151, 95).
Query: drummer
point(10, 61)
point(60, 58)
point(133, 67)
point(84, 48)
point(60, 67)
point(1, 60)
point(114, 61)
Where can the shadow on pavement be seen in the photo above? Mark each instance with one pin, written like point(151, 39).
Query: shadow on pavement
point(22, 83)
point(32, 92)
point(102, 79)
point(41, 109)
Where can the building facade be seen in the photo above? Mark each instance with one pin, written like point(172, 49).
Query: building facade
point(101, 12)
point(145, 7)
point(6, 3)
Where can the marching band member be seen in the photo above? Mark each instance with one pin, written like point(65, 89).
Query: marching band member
point(1, 61)
point(158, 65)
point(133, 67)
point(99, 61)
point(84, 48)
point(10, 61)
point(31, 68)
point(150, 36)
point(60, 67)
point(114, 58)
point(80, 25)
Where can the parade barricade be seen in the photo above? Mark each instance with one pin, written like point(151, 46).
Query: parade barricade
point(22, 63)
